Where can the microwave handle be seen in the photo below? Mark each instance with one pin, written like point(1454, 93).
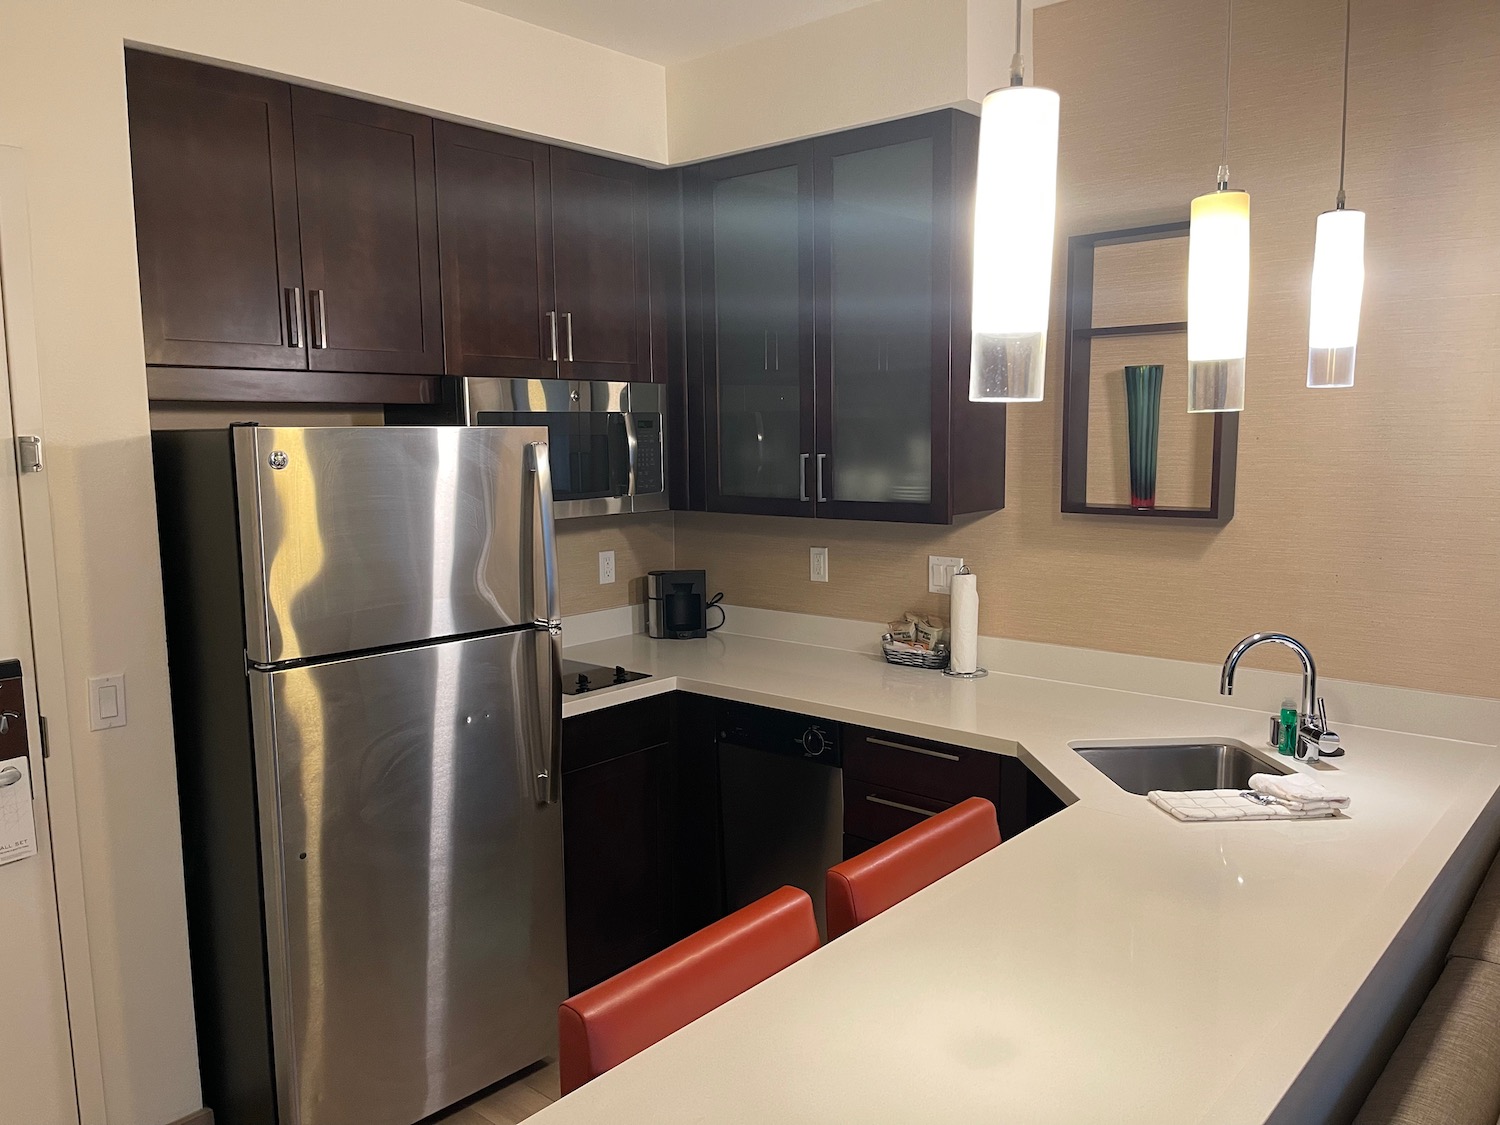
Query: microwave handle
point(621, 453)
point(632, 450)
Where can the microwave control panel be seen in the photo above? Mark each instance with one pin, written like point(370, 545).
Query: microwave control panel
point(648, 454)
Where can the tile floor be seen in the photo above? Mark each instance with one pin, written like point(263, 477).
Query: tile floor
point(509, 1103)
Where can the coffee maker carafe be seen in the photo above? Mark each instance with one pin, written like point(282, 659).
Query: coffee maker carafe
point(676, 604)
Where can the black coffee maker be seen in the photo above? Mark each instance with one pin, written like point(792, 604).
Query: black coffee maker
point(677, 604)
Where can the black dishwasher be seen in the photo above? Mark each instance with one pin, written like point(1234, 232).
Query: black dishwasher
point(781, 796)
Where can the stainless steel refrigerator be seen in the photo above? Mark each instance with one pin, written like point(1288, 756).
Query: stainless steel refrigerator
point(363, 639)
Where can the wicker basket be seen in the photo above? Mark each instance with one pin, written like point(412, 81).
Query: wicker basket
point(936, 659)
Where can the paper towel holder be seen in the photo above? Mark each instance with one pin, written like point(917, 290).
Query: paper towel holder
point(978, 673)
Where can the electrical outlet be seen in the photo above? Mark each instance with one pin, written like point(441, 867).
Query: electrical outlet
point(606, 567)
point(107, 701)
point(940, 570)
point(819, 564)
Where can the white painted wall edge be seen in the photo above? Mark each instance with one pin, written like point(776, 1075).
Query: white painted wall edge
point(1467, 718)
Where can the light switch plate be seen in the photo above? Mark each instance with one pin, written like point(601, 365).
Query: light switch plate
point(940, 570)
point(818, 564)
point(606, 567)
point(107, 701)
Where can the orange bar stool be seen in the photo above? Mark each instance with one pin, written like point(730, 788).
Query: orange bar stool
point(877, 879)
point(607, 1024)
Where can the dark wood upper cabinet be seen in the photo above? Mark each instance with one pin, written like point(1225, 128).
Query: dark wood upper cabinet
point(600, 227)
point(216, 215)
point(367, 202)
point(495, 236)
point(750, 271)
point(828, 288)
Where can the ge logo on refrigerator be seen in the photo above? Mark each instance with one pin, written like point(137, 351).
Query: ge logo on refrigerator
point(278, 459)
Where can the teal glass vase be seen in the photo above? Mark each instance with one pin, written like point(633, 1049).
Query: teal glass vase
point(1143, 411)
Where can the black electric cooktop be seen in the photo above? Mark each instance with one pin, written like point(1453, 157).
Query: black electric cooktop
point(579, 677)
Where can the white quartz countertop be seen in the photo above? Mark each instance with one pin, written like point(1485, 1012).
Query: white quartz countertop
point(1108, 965)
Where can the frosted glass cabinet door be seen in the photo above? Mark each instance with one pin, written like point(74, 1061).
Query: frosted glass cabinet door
point(880, 218)
point(759, 345)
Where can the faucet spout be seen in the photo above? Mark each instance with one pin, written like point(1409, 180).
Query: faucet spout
point(1309, 669)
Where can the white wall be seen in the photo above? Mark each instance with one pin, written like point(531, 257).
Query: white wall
point(62, 101)
point(888, 59)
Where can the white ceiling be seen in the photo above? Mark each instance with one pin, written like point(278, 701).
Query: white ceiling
point(668, 31)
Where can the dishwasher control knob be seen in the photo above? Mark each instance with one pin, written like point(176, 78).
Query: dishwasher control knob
point(814, 742)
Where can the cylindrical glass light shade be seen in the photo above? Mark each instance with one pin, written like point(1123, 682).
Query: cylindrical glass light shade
point(1218, 300)
point(1338, 284)
point(1015, 212)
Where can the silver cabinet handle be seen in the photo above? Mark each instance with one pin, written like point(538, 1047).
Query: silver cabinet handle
point(802, 476)
point(898, 805)
point(821, 498)
point(568, 323)
point(552, 333)
point(317, 305)
point(914, 749)
point(775, 351)
point(765, 350)
point(294, 316)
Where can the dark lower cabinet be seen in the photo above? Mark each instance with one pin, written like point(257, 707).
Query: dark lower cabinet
point(216, 215)
point(893, 782)
point(367, 203)
point(640, 831)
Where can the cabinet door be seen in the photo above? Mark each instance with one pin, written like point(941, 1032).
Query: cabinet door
point(600, 225)
point(216, 215)
point(495, 239)
point(617, 858)
point(883, 267)
point(752, 251)
point(368, 212)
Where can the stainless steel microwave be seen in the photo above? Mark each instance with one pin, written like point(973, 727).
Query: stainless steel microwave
point(607, 440)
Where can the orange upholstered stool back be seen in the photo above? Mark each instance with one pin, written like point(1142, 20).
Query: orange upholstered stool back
point(877, 879)
point(602, 1027)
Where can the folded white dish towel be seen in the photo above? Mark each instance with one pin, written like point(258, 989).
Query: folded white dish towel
point(1230, 804)
point(1297, 791)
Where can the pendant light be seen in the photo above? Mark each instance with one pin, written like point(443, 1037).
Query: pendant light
point(1219, 283)
point(1338, 278)
point(1015, 213)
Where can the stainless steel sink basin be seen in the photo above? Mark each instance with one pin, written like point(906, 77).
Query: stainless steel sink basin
point(1181, 766)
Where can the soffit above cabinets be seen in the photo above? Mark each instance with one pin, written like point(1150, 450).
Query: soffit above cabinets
point(669, 31)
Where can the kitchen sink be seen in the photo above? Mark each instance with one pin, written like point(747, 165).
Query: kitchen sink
point(1176, 767)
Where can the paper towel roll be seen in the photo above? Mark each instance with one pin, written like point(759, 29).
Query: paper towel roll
point(964, 643)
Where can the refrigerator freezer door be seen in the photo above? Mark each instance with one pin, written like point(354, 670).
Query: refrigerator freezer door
point(364, 537)
point(413, 873)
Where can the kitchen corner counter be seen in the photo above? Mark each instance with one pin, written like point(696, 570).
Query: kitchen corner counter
point(1109, 964)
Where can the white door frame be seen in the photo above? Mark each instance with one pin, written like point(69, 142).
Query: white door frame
point(46, 626)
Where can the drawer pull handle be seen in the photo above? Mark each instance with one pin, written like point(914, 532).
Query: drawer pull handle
point(899, 805)
point(914, 749)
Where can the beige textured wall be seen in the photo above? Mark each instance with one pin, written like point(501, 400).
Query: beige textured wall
point(62, 101)
point(1368, 521)
point(640, 543)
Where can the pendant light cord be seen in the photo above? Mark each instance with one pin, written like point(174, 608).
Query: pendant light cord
point(1018, 60)
point(1344, 125)
point(1228, 43)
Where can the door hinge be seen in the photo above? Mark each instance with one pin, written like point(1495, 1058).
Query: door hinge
point(41, 726)
point(29, 453)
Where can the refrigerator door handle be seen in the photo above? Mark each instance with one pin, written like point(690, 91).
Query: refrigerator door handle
point(539, 463)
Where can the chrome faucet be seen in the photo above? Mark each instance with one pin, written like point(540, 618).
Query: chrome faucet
point(1314, 739)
